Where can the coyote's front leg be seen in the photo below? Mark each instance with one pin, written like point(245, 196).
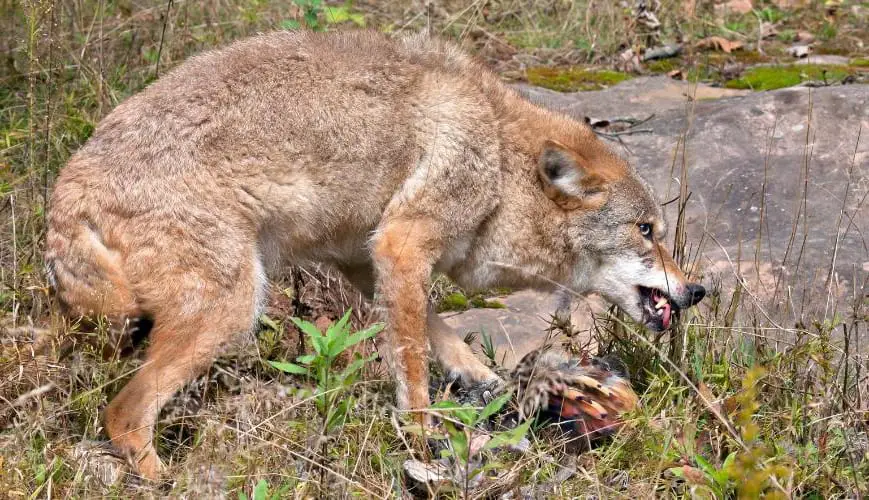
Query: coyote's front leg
point(404, 253)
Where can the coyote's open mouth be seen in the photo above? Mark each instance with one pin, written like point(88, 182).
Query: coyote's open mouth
point(658, 309)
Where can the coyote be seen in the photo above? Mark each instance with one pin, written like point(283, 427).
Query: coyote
point(389, 159)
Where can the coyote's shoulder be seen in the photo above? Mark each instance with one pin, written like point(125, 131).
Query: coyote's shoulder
point(386, 158)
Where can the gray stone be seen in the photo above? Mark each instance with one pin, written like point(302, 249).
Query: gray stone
point(742, 147)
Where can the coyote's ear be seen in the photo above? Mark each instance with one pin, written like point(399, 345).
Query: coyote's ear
point(564, 179)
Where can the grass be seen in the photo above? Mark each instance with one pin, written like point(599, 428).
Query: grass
point(741, 399)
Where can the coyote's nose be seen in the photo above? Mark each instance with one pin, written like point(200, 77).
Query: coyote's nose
point(697, 292)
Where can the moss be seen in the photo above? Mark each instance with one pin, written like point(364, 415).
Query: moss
point(481, 302)
point(859, 62)
point(664, 65)
point(776, 77)
point(574, 78)
point(742, 56)
point(455, 301)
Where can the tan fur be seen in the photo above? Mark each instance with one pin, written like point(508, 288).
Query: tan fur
point(389, 159)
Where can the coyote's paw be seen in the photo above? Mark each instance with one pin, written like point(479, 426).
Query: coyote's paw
point(482, 393)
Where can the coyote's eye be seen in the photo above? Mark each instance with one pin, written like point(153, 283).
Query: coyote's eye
point(645, 230)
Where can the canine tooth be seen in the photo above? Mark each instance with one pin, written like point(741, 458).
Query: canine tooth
point(661, 303)
point(660, 312)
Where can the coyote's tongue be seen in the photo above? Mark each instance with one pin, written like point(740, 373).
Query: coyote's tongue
point(665, 317)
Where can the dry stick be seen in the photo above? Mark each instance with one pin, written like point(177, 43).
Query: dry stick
point(15, 276)
point(162, 37)
point(852, 224)
point(47, 139)
point(769, 143)
point(836, 238)
point(809, 150)
point(100, 64)
point(799, 207)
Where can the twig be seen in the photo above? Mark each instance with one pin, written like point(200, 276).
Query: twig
point(32, 394)
point(664, 52)
point(626, 132)
point(162, 37)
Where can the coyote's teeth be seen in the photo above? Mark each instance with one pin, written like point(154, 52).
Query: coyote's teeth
point(661, 303)
point(660, 312)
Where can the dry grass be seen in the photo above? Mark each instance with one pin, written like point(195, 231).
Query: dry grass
point(780, 391)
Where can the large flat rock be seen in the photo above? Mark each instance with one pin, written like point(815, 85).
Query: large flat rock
point(796, 149)
point(790, 156)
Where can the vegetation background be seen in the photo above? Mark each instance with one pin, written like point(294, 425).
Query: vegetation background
point(735, 401)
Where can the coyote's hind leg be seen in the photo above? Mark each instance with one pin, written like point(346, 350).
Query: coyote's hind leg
point(195, 317)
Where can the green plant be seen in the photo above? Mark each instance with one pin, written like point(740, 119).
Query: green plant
point(311, 10)
point(261, 492)
point(828, 31)
point(344, 13)
point(488, 346)
point(716, 480)
point(462, 425)
point(770, 15)
point(331, 394)
point(316, 16)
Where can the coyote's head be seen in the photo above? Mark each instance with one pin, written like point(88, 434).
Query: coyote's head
point(616, 229)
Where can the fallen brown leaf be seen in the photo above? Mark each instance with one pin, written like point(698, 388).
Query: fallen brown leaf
point(719, 43)
point(804, 37)
point(693, 475)
point(736, 6)
point(768, 30)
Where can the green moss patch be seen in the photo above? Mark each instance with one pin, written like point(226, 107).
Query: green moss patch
point(777, 77)
point(859, 62)
point(664, 65)
point(574, 79)
point(457, 301)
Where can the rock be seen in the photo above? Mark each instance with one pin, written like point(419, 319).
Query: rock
point(736, 139)
point(799, 51)
point(824, 59)
point(726, 162)
point(520, 327)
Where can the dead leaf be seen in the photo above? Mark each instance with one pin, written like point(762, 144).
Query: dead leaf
point(477, 443)
point(708, 399)
point(693, 475)
point(323, 323)
point(804, 37)
point(735, 6)
point(719, 43)
point(768, 30)
point(629, 62)
point(433, 473)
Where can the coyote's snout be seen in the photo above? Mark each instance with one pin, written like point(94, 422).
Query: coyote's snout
point(388, 159)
